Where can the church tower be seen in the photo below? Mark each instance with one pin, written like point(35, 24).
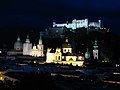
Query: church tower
point(66, 47)
point(40, 47)
point(58, 55)
point(95, 50)
point(87, 55)
point(27, 46)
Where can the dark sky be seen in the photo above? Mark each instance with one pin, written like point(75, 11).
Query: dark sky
point(41, 13)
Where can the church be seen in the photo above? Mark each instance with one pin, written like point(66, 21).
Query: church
point(27, 48)
point(64, 55)
point(17, 48)
point(36, 50)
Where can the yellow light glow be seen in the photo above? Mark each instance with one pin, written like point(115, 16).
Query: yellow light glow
point(1, 78)
point(34, 61)
point(57, 57)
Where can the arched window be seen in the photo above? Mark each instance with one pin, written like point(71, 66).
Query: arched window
point(58, 57)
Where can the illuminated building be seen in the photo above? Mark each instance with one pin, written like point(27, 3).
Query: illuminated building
point(27, 47)
point(66, 47)
point(1, 76)
point(79, 24)
point(64, 55)
point(95, 24)
point(95, 50)
point(37, 51)
point(87, 54)
point(18, 47)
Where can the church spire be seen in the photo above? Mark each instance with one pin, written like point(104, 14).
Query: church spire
point(27, 39)
point(40, 39)
point(95, 44)
point(95, 50)
point(18, 39)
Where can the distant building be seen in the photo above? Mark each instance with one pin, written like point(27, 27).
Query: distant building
point(64, 55)
point(78, 24)
point(87, 55)
point(27, 47)
point(66, 47)
point(95, 50)
point(95, 24)
point(37, 51)
point(18, 47)
point(82, 26)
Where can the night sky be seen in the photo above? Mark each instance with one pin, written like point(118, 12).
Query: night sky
point(41, 13)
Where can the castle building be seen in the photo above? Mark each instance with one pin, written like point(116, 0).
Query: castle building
point(64, 55)
point(78, 24)
point(95, 50)
point(27, 46)
point(37, 51)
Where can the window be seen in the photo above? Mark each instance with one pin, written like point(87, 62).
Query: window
point(68, 50)
point(58, 57)
point(64, 50)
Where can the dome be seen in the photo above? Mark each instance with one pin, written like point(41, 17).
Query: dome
point(18, 43)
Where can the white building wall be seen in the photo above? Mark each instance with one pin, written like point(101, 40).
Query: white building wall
point(75, 24)
point(71, 57)
point(50, 57)
point(78, 24)
point(41, 49)
point(27, 47)
point(65, 50)
point(95, 54)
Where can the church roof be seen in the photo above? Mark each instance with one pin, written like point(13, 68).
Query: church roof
point(66, 45)
point(18, 42)
point(71, 54)
point(27, 39)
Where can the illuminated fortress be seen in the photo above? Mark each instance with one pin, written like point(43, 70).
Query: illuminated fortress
point(79, 24)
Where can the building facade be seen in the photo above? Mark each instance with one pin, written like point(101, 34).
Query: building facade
point(37, 51)
point(64, 55)
point(27, 46)
point(95, 50)
point(18, 47)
